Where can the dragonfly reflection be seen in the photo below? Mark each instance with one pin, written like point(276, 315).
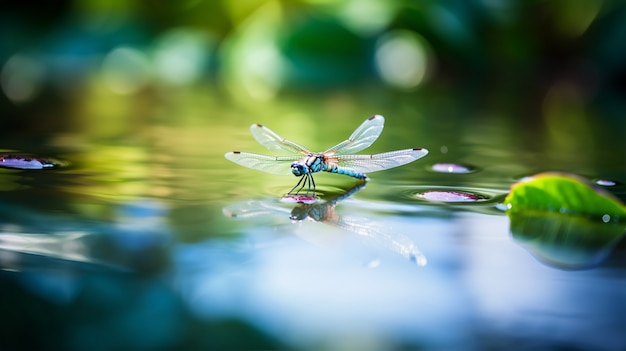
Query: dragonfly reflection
point(338, 159)
point(324, 212)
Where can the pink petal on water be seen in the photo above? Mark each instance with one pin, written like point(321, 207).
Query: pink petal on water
point(450, 196)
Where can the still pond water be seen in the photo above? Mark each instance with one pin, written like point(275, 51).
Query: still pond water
point(148, 239)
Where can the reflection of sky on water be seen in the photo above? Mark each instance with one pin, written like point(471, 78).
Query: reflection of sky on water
point(532, 301)
point(306, 292)
point(68, 243)
point(473, 286)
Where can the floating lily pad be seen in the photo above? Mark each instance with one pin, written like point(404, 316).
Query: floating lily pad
point(563, 193)
point(450, 196)
point(23, 161)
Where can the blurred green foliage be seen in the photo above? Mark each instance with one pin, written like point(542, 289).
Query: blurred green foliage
point(523, 46)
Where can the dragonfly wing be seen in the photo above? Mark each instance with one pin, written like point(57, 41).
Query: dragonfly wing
point(378, 162)
point(270, 164)
point(273, 141)
point(364, 136)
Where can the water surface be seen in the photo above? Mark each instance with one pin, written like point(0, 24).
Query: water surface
point(149, 236)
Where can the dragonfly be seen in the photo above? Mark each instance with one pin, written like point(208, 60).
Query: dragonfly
point(339, 159)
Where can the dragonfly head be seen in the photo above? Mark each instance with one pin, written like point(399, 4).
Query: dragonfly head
point(298, 169)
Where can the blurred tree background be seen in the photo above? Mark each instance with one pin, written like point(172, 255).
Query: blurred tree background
point(538, 58)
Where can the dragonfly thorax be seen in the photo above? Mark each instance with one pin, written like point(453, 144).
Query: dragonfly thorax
point(308, 165)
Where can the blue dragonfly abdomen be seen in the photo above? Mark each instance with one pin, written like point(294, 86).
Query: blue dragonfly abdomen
point(348, 172)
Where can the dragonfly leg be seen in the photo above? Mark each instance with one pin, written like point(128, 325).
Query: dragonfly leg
point(305, 179)
point(308, 183)
point(311, 180)
point(299, 182)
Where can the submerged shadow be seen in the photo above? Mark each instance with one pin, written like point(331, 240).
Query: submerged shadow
point(323, 211)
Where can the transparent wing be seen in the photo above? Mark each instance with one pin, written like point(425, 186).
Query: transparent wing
point(364, 136)
point(270, 164)
point(378, 162)
point(275, 142)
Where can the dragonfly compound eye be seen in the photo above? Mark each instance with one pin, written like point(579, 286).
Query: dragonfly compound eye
point(298, 169)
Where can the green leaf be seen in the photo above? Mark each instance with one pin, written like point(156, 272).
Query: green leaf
point(564, 220)
point(563, 193)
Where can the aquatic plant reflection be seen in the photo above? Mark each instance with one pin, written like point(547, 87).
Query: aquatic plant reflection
point(33, 241)
point(566, 241)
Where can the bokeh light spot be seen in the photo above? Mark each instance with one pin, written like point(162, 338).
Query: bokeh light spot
point(126, 70)
point(181, 56)
point(367, 16)
point(254, 67)
point(402, 59)
point(21, 78)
